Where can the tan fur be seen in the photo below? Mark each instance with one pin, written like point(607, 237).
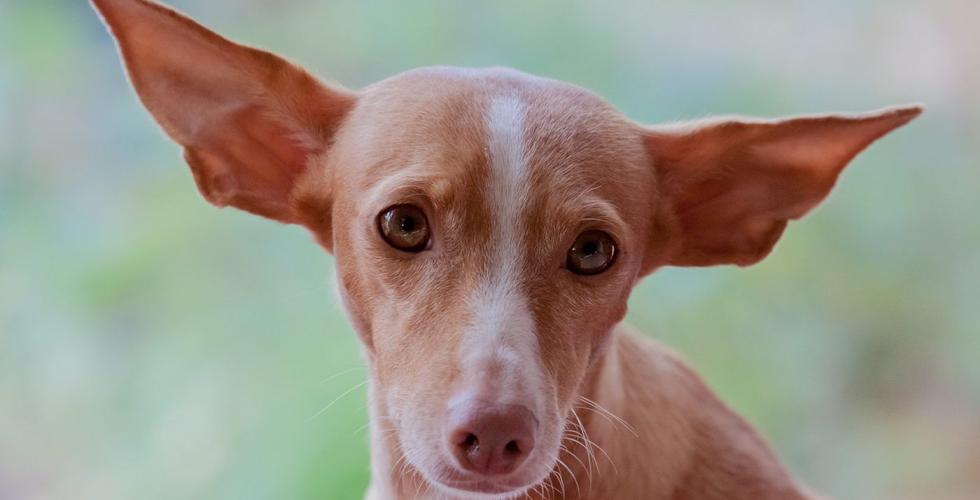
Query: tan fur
point(632, 420)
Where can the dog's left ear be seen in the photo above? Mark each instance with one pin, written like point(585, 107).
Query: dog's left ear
point(729, 186)
point(251, 123)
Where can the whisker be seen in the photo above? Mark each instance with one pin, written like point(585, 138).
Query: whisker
point(561, 481)
point(338, 398)
point(588, 468)
point(340, 373)
point(595, 445)
point(589, 457)
point(603, 411)
point(589, 444)
point(572, 475)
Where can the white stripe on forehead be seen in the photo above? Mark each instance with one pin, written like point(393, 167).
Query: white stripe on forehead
point(508, 187)
point(500, 346)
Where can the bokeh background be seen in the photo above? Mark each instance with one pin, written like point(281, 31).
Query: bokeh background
point(153, 347)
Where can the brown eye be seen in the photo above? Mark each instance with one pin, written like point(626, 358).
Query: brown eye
point(404, 227)
point(592, 253)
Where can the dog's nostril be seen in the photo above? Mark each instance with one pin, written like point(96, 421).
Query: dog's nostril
point(470, 441)
point(512, 448)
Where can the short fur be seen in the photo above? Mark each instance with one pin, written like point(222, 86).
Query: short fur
point(508, 168)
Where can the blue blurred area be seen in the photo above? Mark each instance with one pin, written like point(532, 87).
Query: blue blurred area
point(153, 347)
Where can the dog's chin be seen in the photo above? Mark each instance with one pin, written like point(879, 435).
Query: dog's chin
point(464, 486)
point(483, 489)
point(480, 489)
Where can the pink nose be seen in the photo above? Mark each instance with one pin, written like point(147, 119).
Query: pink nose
point(491, 439)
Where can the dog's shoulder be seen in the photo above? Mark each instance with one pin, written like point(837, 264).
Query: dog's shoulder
point(720, 451)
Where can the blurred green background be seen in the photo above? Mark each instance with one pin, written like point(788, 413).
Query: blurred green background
point(153, 347)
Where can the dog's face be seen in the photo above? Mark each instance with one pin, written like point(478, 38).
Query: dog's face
point(492, 229)
point(487, 225)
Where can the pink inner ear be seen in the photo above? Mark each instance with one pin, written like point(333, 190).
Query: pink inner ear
point(728, 219)
point(281, 143)
point(249, 121)
point(733, 185)
point(250, 162)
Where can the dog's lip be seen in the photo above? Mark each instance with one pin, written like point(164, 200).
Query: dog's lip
point(484, 486)
point(457, 481)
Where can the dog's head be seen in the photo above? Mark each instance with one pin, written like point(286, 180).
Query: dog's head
point(488, 225)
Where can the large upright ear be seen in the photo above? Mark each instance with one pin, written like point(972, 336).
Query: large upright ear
point(250, 122)
point(729, 186)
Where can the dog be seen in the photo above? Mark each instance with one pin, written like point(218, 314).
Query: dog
point(488, 227)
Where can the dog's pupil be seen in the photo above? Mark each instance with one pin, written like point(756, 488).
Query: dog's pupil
point(407, 224)
point(591, 248)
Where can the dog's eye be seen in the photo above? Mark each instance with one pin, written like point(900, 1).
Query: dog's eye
point(592, 253)
point(404, 227)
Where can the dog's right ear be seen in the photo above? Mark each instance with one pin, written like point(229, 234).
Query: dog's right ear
point(251, 124)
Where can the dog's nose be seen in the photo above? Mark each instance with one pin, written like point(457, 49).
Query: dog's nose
point(491, 439)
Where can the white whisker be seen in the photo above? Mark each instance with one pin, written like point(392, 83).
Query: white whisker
point(338, 398)
point(340, 373)
point(608, 414)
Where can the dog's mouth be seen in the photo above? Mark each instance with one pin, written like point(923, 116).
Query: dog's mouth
point(473, 486)
point(482, 488)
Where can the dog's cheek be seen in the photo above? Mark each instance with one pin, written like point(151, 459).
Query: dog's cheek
point(414, 345)
point(412, 370)
point(564, 352)
point(617, 309)
point(355, 305)
point(574, 326)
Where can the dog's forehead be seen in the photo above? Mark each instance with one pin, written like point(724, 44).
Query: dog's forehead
point(445, 124)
